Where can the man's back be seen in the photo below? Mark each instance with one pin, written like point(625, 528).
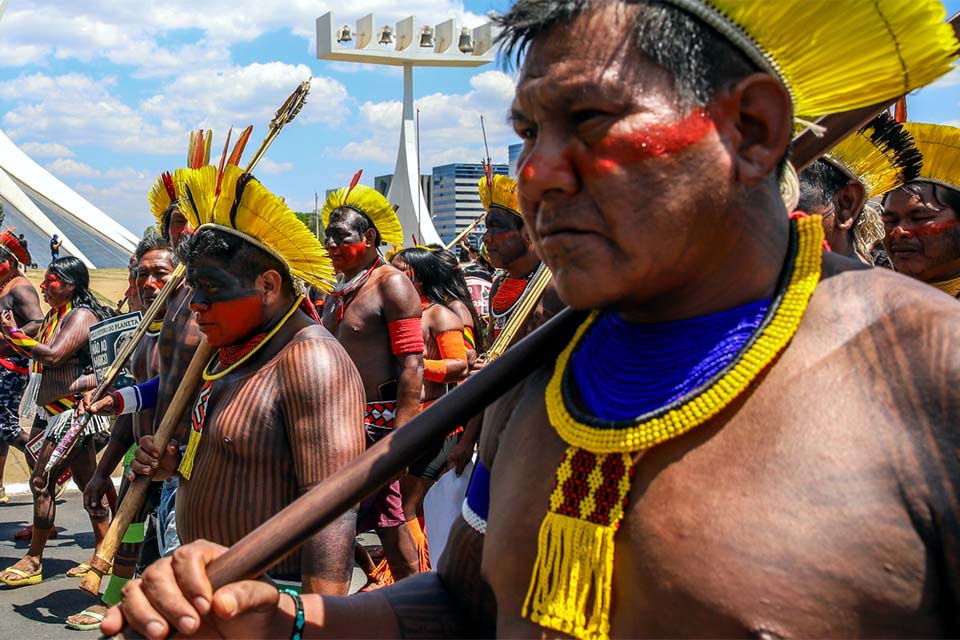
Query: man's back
point(829, 487)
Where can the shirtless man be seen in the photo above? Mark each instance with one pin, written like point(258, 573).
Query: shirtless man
point(375, 314)
point(20, 297)
point(780, 516)
point(155, 262)
point(510, 248)
point(922, 219)
point(281, 404)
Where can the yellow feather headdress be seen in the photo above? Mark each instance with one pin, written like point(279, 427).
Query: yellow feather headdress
point(245, 208)
point(372, 204)
point(501, 193)
point(940, 146)
point(881, 156)
point(832, 56)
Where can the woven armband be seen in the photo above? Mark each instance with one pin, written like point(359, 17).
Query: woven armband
point(406, 336)
point(140, 397)
point(20, 342)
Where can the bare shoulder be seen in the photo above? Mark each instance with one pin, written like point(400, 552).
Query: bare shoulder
point(498, 415)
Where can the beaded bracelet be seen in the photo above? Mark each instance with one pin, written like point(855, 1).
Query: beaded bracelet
point(297, 631)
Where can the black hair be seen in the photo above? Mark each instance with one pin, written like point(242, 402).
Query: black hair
point(439, 275)
point(700, 60)
point(72, 271)
point(240, 257)
point(697, 57)
point(362, 223)
point(153, 241)
point(165, 219)
point(819, 183)
point(939, 197)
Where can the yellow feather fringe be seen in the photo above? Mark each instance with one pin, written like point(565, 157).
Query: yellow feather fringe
point(190, 454)
point(372, 203)
point(940, 146)
point(879, 164)
point(159, 200)
point(574, 568)
point(263, 218)
point(839, 56)
point(504, 193)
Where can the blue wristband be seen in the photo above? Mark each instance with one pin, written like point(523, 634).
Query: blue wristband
point(297, 632)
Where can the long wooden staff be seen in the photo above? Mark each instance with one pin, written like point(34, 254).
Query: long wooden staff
point(137, 490)
point(487, 166)
point(107, 549)
point(283, 534)
point(525, 306)
point(77, 428)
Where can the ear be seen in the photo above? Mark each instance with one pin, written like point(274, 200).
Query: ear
point(849, 201)
point(370, 237)
point(753, 117)
point(270, 283)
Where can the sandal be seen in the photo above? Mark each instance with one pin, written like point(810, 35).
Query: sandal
point(78, 571)
point(24, 579)
point(74, 623)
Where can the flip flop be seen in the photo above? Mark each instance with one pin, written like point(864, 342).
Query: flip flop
point(24, 581)
point(78, 571)
point(89, 626)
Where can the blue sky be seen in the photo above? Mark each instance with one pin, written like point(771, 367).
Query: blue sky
point(103, 93)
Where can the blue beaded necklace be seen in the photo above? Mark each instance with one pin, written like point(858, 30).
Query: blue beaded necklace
point(623, 369)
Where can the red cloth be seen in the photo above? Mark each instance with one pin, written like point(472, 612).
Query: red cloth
point(406, 336)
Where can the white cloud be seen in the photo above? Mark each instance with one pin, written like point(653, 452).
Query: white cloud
point(951, 79)
point(46, 150)
point(67, 168)
point(272, 167)
point(443, 120)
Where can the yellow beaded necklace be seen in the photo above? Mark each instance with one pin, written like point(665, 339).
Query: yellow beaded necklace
point(574, 565)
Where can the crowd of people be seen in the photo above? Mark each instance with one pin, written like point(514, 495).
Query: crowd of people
point(748, 424)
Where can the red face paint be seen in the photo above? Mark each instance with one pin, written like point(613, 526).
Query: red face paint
point(528, 172)
point(229, 322)
point(54, 290)
point(346, 255)
point(934, 228)
point(5, 269)
point(618, 150)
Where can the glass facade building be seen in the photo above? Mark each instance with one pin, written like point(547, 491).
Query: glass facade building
point(455, 203)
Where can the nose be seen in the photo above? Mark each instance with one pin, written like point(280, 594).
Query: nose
point(899, 231)
point(546, 170)
point(198, 302)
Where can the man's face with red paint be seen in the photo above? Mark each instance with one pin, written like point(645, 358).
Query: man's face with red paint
point(921, 236)
point(5, 267)
point(503, 238)
point(55, 291)
point(229, 311)
point(179, 228)
point(618, 184)
point(153, 271)
point(346, 245)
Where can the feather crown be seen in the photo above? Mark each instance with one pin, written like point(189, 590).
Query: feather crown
point(881, 156)
point(242, 206)
point(501, 192)
point(372, 204)
point(836, 60)
point(940, 146)
point(12, 245)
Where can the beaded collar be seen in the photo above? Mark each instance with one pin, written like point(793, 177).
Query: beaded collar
point(574, 565)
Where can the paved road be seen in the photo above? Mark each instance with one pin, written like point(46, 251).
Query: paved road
point(38, 612)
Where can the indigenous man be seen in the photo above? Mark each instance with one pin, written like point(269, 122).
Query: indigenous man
point(865, 166)
point(155, 262)
point(18, 296)
point(510, 248)
point(281, 404)
point(738, 503)
point(61, 357)
point(920, 220)
point(374, 312)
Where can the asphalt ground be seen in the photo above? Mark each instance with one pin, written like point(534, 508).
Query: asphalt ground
point(38, 611)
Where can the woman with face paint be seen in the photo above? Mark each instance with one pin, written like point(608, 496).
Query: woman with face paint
point(62, 360)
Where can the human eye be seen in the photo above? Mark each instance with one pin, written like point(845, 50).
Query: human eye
point(522, 126)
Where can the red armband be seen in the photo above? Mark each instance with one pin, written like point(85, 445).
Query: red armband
point(434, 370)
point(406, 336)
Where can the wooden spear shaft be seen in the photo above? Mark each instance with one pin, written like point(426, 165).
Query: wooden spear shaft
point(137, 491)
